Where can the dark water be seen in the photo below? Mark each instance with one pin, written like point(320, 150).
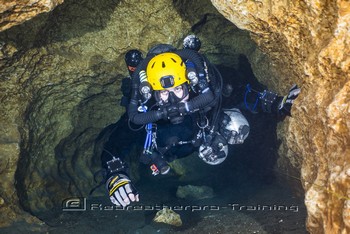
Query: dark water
point(248, 197)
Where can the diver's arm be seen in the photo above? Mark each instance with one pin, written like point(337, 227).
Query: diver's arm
point(121, 190)
point(113, 163)
point(280, 105)
point(143, 117)
point(270, 102)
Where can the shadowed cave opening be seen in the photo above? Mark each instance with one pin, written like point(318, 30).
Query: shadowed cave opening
point(247, 177)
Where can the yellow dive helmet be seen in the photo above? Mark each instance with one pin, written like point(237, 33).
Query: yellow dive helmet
point(166, 70)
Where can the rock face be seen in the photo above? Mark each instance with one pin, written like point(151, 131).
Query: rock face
point(16, 12)
point(308, 43)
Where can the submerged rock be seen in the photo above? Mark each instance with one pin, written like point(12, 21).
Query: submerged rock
point(194, 192)
point(168, 216)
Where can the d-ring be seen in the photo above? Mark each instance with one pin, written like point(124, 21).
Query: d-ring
point(206, 125)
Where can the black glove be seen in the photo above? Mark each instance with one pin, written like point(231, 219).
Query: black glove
point(121, 191)
point(285, 105)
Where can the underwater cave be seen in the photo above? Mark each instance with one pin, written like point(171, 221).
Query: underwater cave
point(60, 78)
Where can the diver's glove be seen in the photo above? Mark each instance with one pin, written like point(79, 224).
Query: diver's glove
point(121, 191)
point(285, 105)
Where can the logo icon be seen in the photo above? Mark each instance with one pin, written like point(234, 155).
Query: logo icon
point(74, 204)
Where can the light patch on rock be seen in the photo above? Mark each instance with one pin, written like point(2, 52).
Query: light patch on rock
point(168, 216)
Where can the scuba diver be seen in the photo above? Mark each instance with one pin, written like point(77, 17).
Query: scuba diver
point(177, 94)
point(132, 59)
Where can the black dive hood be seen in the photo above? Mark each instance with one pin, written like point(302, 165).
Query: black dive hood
point(206, 95)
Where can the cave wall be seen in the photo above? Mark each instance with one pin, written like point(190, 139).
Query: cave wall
point(16, 12)
point(60, 72)
point(59, 82)
point(309, 44)
point(60, 89)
